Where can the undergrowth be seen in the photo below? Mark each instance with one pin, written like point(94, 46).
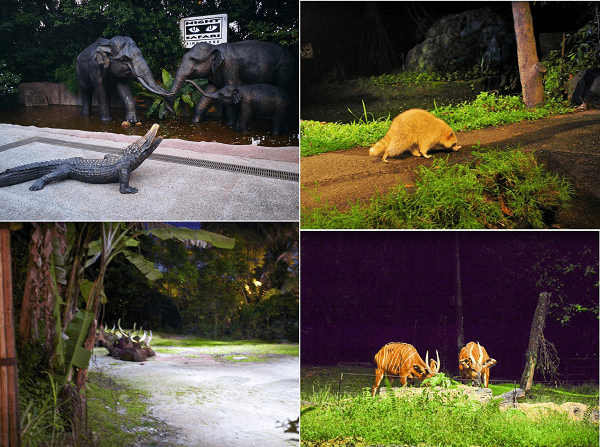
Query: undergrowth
point(432, 418)
point(499, 189)
point(488, 109)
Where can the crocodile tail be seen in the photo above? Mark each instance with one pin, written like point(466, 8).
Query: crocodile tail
point(31, 171)
point(380, 147)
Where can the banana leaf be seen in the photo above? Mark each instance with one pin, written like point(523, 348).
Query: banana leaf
point(75, 355)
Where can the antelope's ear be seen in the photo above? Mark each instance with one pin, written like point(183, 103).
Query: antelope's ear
point(489, 363)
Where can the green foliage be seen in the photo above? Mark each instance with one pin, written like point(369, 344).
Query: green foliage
point(8, 80)
point(275, 317)
point(440, 380)
point(584, 54)
point(8, 89)
point(41, 420)
point(496, 191)
point(434, 417)
point(405, 78)
point(67, 74)
point(184, 101)
point(488, 109)
point(40, 37)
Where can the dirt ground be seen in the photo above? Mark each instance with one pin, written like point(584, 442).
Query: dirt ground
point(205, 402)
point(567, 144)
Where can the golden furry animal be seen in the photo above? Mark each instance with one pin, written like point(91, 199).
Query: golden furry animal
point(416, 131)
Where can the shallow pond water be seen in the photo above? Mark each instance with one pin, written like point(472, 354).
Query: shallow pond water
point(70, 117)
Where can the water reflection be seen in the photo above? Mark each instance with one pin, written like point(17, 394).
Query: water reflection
point(211, 130)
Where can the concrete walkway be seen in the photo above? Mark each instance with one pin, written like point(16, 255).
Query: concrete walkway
point(181, 181)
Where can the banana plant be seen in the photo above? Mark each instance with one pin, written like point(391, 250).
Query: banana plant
point(187, 94)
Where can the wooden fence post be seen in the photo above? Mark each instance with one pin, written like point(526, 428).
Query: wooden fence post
point(9, 388)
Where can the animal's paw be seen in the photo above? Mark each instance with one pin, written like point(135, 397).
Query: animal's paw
point(129, 190)
point(125, 124)
point(36, 186)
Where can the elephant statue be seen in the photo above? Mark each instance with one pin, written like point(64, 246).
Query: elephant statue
point(107, 64)
point(262, 100)
point(237, 63)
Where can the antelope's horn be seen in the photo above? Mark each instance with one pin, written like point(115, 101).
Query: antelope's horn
point(148, 342)
point(427, 362)
point(133, 328)
point(143, 337)
point(438, 361)
point(121, 330)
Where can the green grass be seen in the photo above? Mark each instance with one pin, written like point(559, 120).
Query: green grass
point(173, 344)
point(431, 419)
point(117, 413)
point(498, 190)
point(488, 109)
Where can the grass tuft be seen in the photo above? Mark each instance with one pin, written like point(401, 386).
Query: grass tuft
point(500, 189)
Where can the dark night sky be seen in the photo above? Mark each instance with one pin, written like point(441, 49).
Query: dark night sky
point(363, 289)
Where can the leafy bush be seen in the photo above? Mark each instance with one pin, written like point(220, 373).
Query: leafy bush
point(8, 83)
point(584, 54)
point(67, 74)
point(188, 94)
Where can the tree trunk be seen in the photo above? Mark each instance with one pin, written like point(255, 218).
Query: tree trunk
point(460, 330)
point(531, 70)
point(9, 387)
point(535, 337)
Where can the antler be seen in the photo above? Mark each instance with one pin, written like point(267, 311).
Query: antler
point(437, 363)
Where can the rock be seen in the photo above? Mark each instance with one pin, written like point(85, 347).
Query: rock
point(460, 41)
point(510, 398)
point(33, 98)
point(584, 88)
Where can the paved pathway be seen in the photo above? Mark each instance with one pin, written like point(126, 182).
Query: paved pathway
point(182, 180)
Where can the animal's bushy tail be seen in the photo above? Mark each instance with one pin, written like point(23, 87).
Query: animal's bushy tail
point(31, 171)
point(379, 147)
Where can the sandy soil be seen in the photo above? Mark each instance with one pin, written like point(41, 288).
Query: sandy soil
point(569, 143)
point(205, 402)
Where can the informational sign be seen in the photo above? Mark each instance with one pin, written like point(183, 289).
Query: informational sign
point(210, 29)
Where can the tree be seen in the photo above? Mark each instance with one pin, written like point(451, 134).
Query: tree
point(531, 70)
point(567, 276)
point(536, 337)
point(9, 387)
point(59, 301)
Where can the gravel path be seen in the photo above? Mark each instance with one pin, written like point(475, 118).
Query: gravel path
point(216, 403)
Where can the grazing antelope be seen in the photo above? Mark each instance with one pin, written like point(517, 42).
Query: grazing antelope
point(403, 360)
point(475, 363)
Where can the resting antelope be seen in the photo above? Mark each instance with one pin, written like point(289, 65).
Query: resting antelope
point(475, 363)
point(403, 360)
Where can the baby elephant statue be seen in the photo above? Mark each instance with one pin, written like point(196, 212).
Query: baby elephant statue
point(109, 64)
point(262, 100)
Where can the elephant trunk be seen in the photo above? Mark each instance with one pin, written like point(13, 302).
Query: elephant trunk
point(208, 95)
point(143, 75)
point(184, 72)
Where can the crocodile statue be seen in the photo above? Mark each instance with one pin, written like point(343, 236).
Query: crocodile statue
point(110, 169)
